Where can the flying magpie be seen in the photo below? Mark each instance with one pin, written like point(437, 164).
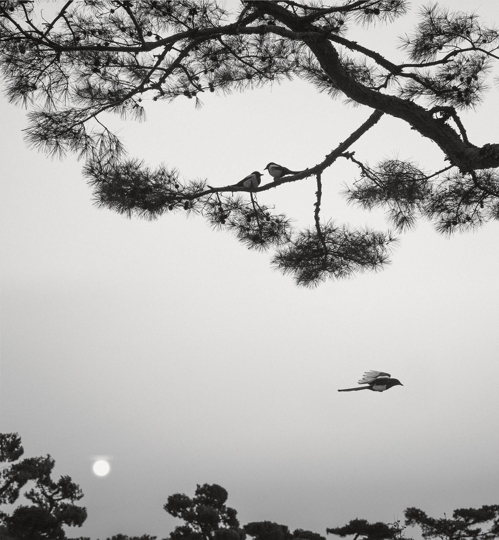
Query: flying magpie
point(377, 381)
point(251, 181)
point(277, 171)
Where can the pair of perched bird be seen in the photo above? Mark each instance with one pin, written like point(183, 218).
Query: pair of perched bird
point(253, 180)
point(377, 381)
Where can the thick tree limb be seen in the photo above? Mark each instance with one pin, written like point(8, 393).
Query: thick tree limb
point(464, 155)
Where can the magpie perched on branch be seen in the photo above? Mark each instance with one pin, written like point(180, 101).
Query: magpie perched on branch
point(377, 381)
point(276, 171)
point(251, 181)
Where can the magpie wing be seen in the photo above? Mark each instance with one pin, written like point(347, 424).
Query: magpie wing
point(374, 376)
point(244, 181)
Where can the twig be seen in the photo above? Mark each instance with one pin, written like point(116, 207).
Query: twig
point(59, 15)
point(256, 216)
point(317, 211)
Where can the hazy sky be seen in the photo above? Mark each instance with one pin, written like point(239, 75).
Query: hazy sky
point(183, 358)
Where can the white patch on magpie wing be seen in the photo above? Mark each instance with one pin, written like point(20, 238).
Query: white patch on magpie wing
point(371, 376)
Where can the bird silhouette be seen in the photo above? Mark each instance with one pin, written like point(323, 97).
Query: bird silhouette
point(276, 171)
point(251, 181)
point(377, 381)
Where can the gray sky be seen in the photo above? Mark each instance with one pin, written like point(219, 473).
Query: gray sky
point(185, 359)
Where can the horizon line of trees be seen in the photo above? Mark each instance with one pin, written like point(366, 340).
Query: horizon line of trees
point(206, 515)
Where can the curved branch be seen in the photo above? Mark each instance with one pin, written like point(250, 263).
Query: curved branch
point(465, 156)
point(339, 151)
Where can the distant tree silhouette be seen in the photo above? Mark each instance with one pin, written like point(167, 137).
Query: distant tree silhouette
point(206, 515)
point(465, 524)
point(53, 502)
point(268, 530)
point(372, 531)
point(90, 57)
point(124, 537)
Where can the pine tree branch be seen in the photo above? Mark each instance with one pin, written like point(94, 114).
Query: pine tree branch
point(339, 151)
point(464, 156)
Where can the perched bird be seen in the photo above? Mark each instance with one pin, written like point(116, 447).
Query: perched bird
point(377, 381)
point(251, 181)
point(277, 171)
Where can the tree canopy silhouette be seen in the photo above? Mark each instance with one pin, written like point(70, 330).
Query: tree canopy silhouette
point(53, 502)
point(206, 515)
point(465, 524)
point(92, 57)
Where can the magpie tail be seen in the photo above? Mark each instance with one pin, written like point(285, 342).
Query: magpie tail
point(355, 389)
